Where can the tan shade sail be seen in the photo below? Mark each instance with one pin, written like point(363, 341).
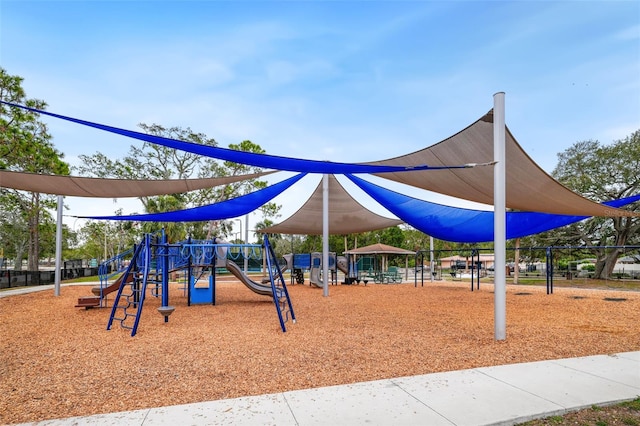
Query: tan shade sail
point(111, 188)
point(346, 215)
point(528, 187)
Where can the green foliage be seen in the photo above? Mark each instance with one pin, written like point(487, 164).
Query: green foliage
point(600, 172)
point(563, 265)
point(25, 146)
point(14, 232)
point(393, 236)
point(151, 161)
point(416, 240)
point(104, 239)
point(175, 231)
point(634, 404)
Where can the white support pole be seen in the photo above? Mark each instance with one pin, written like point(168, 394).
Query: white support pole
point(431, 257)
point(56, 291)
point(499, 218)
point(246, 241)
point(239, 233)
point(325, 235)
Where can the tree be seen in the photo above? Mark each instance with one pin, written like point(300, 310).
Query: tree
point(14, 233)
point(96, 241)
point(152, 161)
point(105, 239)
point(274, 239)
point(418, 240)
point(26, 146)
point(163, 203)
point(601, 173)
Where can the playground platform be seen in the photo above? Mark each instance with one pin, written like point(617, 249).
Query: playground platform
point(498, 395)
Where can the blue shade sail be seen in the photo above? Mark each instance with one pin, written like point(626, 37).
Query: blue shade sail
point(223, 210)
point(249, 158)
point(467, 225)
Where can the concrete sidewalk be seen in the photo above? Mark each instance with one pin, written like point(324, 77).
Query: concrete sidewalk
point(32, 289)
point(500, 395)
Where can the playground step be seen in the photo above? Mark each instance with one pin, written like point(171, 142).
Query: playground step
point(88, 302)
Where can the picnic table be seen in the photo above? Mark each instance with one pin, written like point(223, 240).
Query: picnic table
point(382, 277)
point(392, 275)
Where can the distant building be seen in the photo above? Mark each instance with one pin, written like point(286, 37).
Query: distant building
point(459, 262)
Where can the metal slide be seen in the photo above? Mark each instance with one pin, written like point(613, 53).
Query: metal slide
point(253, 286)
point(100, 293)
point(314, 272)
point(314, 277)
point(343, 265)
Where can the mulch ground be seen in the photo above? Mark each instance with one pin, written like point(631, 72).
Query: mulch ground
point(59, 361)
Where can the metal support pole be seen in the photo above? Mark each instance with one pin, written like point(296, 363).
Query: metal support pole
point(325, 235)
point(549, 271)
point(499, 217)
point(189, 277)
point(478, 266)
point(431, 258)
point(212, 277)
point(473, 267)
point(246, 241)
point(240, 223)
point(56, 291)
point(163, 250)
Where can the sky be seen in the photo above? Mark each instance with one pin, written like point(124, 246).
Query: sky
point(347, 81)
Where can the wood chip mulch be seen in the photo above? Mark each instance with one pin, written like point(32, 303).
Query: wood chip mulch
point(59, 361)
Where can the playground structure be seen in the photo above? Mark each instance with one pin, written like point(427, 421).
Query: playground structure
point(148, 266)
point(107, 270)
point(299, 262)
point(365, 269)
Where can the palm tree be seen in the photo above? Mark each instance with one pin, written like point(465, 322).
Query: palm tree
point(175, 231)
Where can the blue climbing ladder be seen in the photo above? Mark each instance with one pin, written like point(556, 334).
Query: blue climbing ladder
point(278, 287)
point(127, 306)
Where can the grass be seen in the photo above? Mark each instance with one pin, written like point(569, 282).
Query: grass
point(611, 284)
point(633, 405)
point(625, 413)
point(93, 278)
